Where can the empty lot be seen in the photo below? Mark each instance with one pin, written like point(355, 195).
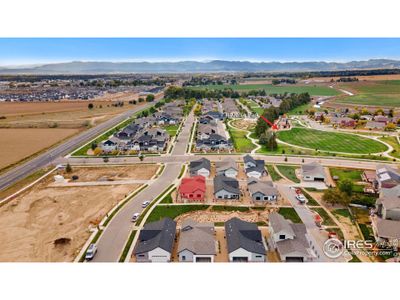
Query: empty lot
point(32, 222)
point(17, 144)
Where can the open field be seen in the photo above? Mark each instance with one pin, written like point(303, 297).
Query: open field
point(360, 78)
point(276, 89)
point(289, 172)
point(374, 93)
point(57, 114)
point(21, 143)
point(32, 222)
point(241, 143)
point(330, 141)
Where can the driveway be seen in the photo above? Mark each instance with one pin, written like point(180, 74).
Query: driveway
point(317, 236)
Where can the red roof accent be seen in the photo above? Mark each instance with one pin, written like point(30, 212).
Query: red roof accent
point(192, 184)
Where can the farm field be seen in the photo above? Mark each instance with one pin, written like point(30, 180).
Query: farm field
point(32, 222)
point(57, 114)
point(374, 93)
point(20, 143)
point(273, 89)
point(330, 141)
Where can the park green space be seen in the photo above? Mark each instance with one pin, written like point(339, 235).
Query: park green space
point(241, 143)
point(330, 141)
point(313, 90)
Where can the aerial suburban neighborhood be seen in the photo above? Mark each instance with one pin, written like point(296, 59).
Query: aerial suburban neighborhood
point(195, 167)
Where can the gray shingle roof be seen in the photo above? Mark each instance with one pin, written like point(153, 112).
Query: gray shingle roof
point(264, 187)
point(313, 169)
point(388, 228)
point(279, 223)
point(227, 183)
point(225, 165)
point(199, 164)
point(198, 238)
point(390, 198)
point(157, 234)
point(241, 234)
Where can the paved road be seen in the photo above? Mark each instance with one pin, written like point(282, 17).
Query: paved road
point(317, 236)
point(113, 239)
point(274, 159)
point(54, 154)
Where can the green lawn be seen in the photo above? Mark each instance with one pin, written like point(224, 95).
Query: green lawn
point(343, 212)
point(352, 174)
point(300, 110)
point(379, 93)
point(290, 214)
point(172, 211)
point(274, 89)
point(311, 201)
point(330, 141)
point(229, 208)
point(392, 141)
point(272, 172)
point(172, 129)
point(241, 143)
point(288, 172)
point(326, 219)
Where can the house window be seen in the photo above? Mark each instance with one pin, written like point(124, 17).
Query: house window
point(258, 256)
point(266, 198)
point(219, 197)
point(190, 195)
point(258, 198)
point(198, 195)
point(282, 236)
point(141, 255)
point(183, 257)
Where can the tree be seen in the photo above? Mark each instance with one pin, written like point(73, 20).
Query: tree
point(90, 106)
point(335, 196)
point(140, 100)
point(141, 157)
point(346, 186)
point(94, 145)
point(150, 98)
point(68, 168)
point(390, 127)
point(272, 145)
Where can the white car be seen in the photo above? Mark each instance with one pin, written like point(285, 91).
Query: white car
point(91, 252)
point(301, 198)
point(135, 217)
point(145, 204)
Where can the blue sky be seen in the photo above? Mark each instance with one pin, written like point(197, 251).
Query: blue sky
point(45, 50)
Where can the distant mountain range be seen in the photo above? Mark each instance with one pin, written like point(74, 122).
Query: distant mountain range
point(80, 67)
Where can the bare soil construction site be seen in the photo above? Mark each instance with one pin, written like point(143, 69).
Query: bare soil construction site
point(52, 223)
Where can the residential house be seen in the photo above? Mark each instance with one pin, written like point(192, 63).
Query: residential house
point(156, 241)
point(200, 167)
point(197, 242)
point(214, 142)
point(262, 191)
point(386, 177)
point(313, 172)
point(245, 241)
point(227, 167)
point(109, 145)
point(381, 119)
point(230, 109)
point(192, 189)
point(343, 121)
point(375, 125)
point(254, 167)
point(226, 188)
point(290, 240)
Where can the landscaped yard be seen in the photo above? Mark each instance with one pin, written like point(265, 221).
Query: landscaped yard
point(172, 129)
point(289, 172)
point(326, 219)
point(392, 141)
point(241, 143)
point(172, 211)
point(272, 172)
point(330, 141)
point(276, 89)
point(352, 174)
point(290, 214)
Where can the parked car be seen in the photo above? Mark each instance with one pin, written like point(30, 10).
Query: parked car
point(91, 252)
point(135, 217)
point(301, 198)
point(145, 204)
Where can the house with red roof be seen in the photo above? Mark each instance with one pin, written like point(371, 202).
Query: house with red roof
point(192, 189)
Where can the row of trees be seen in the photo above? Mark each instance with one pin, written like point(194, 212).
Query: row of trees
point(175, 92)
point(273, 113)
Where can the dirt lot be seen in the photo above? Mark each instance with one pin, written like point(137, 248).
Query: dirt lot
point(139, 171)
point(244, 124)
point(30, 223)
point(223, 216)
point(20, 143)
